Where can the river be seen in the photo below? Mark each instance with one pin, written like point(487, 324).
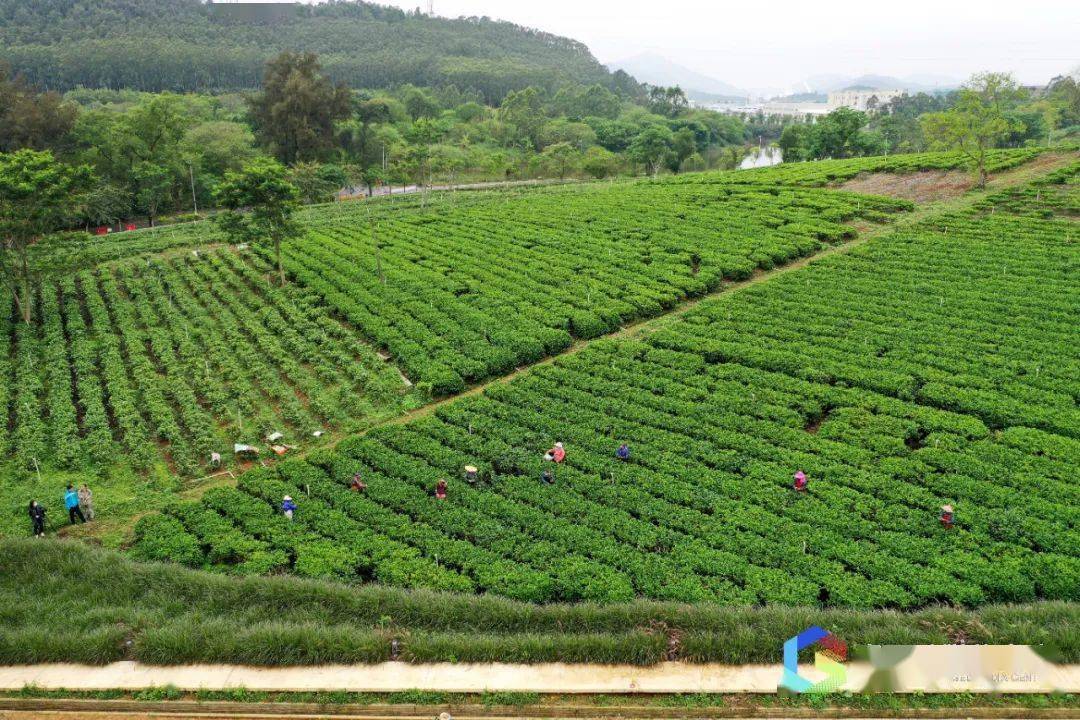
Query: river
point(762, 157)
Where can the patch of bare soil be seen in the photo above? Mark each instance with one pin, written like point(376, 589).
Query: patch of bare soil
point(920, 187)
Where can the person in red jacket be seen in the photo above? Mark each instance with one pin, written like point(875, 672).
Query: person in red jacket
point(947, 517)
point(800, 482)
point(440, 490)
point(556, 454)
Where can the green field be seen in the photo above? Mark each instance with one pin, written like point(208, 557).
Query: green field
point(931, 366)
point(829, 172)
point(462, 292)
point(151, 350)
point(929, 363)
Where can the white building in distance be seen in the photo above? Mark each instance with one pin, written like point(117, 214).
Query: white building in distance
point(862, 99)
point(855, 99)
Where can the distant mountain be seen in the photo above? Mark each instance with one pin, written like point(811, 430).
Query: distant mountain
point(657, 70)
point(911, 83)
point(186, 45)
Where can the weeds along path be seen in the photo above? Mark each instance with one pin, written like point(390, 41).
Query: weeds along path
point(1022, 174)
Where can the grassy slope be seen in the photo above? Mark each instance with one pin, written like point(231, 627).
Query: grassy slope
point(68, 601)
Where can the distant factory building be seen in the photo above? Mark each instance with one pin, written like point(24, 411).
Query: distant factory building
point(862, 99)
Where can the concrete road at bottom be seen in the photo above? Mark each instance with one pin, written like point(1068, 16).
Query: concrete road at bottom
point(75, 709)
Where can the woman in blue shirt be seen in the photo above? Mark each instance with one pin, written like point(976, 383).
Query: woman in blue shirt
point(71, 502)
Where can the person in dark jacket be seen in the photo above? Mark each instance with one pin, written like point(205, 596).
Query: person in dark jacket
point(37, 517)
point(623, 453)
point(548, 476)
point(71, 502)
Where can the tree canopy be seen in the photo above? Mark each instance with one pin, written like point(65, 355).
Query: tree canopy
point(35, 196)
point(259, 203)
point(189, 45)
point(978, 121)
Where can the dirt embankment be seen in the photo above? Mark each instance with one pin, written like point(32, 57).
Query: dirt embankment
point(920, 187)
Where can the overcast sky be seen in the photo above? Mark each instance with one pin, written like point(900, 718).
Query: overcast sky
point(777, 43)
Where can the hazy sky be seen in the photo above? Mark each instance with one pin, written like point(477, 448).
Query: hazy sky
point(777, 43)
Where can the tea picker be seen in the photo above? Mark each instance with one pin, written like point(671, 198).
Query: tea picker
point(357, 483)
point(556, 454)
point(472, 475)
point(800, 482)
point(947, 518)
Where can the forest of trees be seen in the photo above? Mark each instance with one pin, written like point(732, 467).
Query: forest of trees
point(912, 123)
point(189, 46)
point(165, 153)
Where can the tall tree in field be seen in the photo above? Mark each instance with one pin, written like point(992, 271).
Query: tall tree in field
point(977, 122)
point(294, 115)
point(259, 202)
point(36, 196)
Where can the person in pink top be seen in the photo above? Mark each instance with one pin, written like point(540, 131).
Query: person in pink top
point(557, 453)
point(800, 481)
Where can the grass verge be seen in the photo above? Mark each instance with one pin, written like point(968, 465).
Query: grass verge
point(66, 601)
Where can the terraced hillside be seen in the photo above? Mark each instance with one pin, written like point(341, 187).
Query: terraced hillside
point(1053, 195)
point(934, 364)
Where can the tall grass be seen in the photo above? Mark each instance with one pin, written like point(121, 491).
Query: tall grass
point(68, 601)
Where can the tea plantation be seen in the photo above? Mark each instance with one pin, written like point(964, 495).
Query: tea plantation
point(147, 354)
point(933, 365)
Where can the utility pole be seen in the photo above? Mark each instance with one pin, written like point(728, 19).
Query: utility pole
point(194, 202)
